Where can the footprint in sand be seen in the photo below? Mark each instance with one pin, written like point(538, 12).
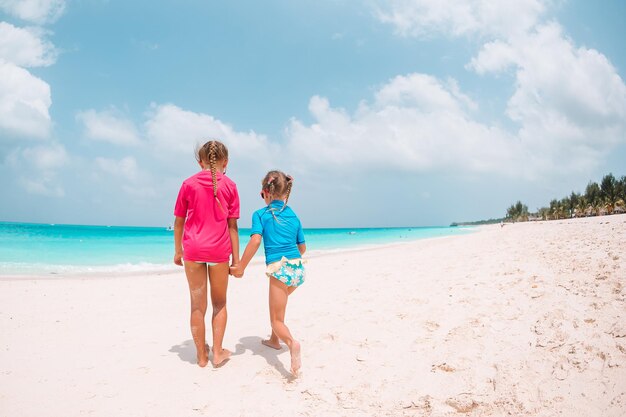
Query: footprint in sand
point(422, 403)
point(618, 330)
point(549, 332)
point(462, 403)
point(347, 400)
point(431, 326)
point(560, 370)
point(320, 395)
point(619, 399)
point(442, 367)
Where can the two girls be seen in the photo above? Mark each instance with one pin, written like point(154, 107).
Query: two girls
point(206, 234)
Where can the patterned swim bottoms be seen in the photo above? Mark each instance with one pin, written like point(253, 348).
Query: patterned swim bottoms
point(288, 271)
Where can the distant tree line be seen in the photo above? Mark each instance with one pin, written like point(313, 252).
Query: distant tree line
point(478, 222)
point(607, 198)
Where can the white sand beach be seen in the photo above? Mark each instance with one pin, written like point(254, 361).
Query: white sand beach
point(525, 320)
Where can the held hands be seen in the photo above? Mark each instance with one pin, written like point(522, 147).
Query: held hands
point(236, 270)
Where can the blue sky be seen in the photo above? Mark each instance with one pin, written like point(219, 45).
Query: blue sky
point(405, 112)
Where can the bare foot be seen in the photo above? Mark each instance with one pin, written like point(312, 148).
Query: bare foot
point(274, 344)
point(203, 359)
point(220, 359)
point(295, 357)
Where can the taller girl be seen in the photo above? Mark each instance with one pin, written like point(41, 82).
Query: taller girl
point(205, 236)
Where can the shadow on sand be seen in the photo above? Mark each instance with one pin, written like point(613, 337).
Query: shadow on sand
point(254, 345)
point(186, 351)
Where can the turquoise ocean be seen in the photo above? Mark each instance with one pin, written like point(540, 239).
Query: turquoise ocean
point(49, 249)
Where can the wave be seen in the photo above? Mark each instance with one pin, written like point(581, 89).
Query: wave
point(40, 269)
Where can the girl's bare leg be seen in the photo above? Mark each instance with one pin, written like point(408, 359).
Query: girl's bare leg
point(218, 276)
point(197, 280)
point(279, 294)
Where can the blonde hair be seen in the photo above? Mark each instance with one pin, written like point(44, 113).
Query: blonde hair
point(210, 153)
point(278, 185)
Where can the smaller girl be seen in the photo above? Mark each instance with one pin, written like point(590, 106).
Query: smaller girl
point(205, 237)
point(283, 240)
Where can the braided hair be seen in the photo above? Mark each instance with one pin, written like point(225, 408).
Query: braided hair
point(213, 152)
point(289, 180)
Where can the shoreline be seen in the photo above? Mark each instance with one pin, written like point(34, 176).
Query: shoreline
point(524, 320)
point(109, 271)
point(169, 269)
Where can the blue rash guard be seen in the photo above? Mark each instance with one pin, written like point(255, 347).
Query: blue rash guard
point(281, 231)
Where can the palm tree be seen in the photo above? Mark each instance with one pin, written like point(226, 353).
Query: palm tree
point(565, 207)
point(620, 190)
point(596, 207)
point(522, 210)
point(581, 206)
point(610, 195)
point(592, 194)
point(573, 200)
point(517, 212)
point(554, 209)
point(608, 192)
point(511, 213)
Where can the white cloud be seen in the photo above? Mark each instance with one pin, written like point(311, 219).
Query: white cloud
point(568, 119)
point(172, 129)
point(24, 103)
point(423, 92)
point(46, 157)
point(36, 11)
point(38, 167)
point(416, 123)
point(108, 126)
point(125, 171)
point(423, 18)
point(24, 99)
point(44, 185)
point(25, 47)
point(579, 83)
point(494, 57)
point(568, 101)
point(126, 167)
